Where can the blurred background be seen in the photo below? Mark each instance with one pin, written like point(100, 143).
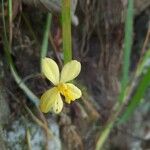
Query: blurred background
point(27, 29)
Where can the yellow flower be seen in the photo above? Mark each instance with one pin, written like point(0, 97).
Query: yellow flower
point(51, 100)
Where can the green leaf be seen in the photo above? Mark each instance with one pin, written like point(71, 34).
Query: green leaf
point(127, 48)
point(137, 97)
point(145, 62)
point(104, 136)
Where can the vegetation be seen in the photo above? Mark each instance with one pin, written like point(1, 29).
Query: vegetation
point(112, 90)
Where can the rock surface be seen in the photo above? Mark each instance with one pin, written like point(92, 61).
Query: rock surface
point(4, 109)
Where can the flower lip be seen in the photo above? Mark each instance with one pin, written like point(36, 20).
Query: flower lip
point(48, 99)
point(69, 91)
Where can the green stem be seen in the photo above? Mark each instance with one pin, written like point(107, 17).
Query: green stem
point(66, 30)
point(10, 20)
point(44, 47)
point(18, 80)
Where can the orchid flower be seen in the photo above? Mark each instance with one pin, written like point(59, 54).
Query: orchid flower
point(51, 100)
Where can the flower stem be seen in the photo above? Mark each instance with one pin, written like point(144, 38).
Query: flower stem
point(66, 30)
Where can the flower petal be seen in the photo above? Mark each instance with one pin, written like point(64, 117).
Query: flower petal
point(58, 105)
point(70, 71)
point(50, 70)
point(72, 93)
point(48, 100)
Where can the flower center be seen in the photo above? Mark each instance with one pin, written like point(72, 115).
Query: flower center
point(65, 91)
